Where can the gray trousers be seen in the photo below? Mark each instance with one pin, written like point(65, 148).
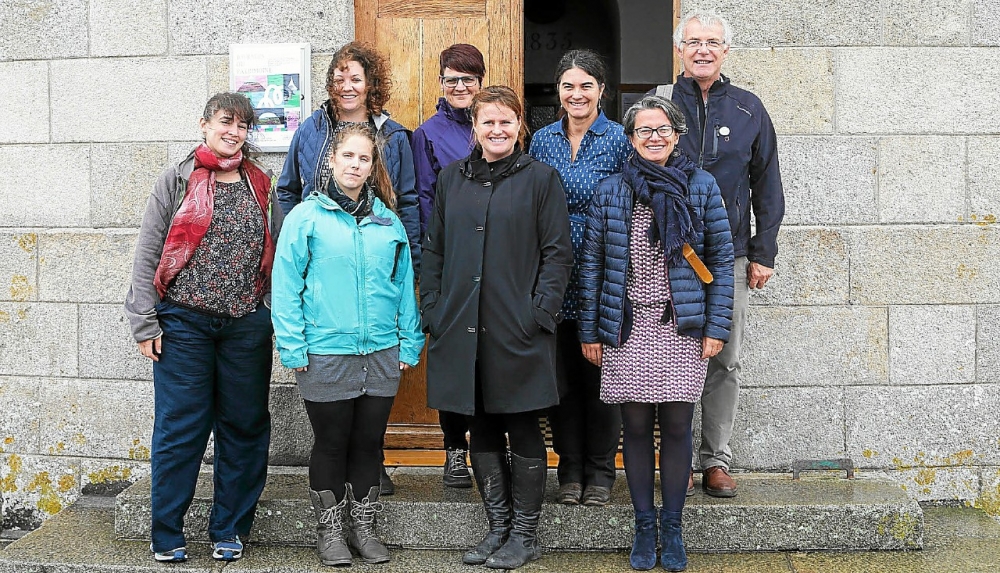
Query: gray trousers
point(721, 396)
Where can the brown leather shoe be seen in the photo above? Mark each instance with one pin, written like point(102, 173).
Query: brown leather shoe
point(717, 482)
point(569, 493)
point(690, 490)
point(596, 496)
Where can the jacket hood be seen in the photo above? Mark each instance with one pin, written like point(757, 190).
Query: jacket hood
point(457, 115)
point(385, 126)
point(478, 169)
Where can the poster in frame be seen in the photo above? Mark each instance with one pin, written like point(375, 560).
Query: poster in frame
point(275, 77)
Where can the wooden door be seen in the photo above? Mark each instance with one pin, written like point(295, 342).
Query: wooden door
point(412, 34)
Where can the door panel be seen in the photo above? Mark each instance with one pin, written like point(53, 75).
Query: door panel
point(412, 35)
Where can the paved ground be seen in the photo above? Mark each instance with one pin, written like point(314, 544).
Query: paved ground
point(81, 539)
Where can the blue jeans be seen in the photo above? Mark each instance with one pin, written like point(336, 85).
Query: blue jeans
point(213, 376)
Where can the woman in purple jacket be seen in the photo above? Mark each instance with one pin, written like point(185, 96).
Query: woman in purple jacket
point(444, 138)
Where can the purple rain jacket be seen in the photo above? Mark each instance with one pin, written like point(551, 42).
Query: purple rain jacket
point(444, 138)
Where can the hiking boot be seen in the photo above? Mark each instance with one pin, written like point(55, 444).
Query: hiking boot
point(361, 536)
point(331, 543)
point(456, 471)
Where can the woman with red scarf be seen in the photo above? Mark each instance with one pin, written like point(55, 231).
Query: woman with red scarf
point(196, 306)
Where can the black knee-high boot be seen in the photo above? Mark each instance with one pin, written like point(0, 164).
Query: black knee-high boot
point(527, 476)
point(493, 480)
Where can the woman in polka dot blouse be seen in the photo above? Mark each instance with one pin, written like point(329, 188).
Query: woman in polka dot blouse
point(584, 146)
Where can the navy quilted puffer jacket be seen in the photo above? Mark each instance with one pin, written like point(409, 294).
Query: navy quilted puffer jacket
point(699, 309)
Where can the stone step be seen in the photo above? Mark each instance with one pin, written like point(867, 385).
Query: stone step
point(81, 539)
point(771, 513)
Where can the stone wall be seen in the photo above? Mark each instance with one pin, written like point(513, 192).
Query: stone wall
point(875, 339)
point(103, 95)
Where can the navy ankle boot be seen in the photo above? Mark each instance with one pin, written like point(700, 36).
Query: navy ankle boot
point(672, 555)
point(643, 557)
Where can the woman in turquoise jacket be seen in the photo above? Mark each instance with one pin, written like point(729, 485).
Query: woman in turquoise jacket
point(345, 319)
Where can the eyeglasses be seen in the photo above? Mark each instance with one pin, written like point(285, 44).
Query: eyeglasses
point(711, 45)
point(647, 132)
point(452, 81)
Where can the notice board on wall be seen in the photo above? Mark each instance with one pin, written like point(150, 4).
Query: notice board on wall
point(275, 77)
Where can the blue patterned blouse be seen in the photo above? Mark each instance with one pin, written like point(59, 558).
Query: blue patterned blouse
point(602, 153)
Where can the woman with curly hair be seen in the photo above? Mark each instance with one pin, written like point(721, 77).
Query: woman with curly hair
point(359, 85)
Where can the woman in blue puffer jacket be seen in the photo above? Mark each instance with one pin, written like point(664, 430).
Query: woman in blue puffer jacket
point(359, 85)
point(345, 319)
point(656, 282)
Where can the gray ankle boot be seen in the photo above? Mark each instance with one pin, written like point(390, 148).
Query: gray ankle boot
point(330, 516)
point(361, 535)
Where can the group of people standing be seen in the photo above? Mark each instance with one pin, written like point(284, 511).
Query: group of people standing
point(588, 277)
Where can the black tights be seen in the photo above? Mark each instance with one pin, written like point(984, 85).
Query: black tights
point(348, 443)
point(489, 432)
point(486, 434)
point(675, 452)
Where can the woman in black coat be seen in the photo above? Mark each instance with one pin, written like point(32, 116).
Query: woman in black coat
point(497, 258)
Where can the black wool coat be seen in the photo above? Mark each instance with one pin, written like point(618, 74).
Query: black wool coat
point(497, 259)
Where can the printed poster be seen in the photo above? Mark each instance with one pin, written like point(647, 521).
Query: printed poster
point(275, 77)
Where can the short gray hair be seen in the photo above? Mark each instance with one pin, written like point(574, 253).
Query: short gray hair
point(674, 114)
point(706, 18)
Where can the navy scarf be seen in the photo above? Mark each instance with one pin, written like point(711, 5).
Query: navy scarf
point(665, 190)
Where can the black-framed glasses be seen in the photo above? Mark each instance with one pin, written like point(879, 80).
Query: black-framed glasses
point(663, 131)
point(711, 45)
point(452, 81)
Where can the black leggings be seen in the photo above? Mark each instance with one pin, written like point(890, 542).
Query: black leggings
point(675, 452)
point(348, 443)
point(489, 432)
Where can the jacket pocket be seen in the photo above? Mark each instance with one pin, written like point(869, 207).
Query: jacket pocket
point(543, 319)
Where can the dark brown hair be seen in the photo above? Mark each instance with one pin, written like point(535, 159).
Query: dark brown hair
point(376, 69)
point(501, 95)
point(463, 58)
point(379, 177)
point(241, 108)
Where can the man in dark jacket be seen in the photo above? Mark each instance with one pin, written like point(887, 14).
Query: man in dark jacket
point(733, 139)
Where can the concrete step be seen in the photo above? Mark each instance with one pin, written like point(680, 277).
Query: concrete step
point(81, 539)
point(771, 513)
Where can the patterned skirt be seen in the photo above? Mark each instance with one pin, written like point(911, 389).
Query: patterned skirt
point(656, 364)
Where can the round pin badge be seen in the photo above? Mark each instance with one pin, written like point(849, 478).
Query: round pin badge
point(723, 130)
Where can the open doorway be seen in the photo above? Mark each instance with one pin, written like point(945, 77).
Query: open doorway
point(633, 37)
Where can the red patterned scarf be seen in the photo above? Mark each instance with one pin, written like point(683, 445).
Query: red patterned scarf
point(195, 214)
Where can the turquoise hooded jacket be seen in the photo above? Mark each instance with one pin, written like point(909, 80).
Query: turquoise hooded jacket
point(340, 287)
